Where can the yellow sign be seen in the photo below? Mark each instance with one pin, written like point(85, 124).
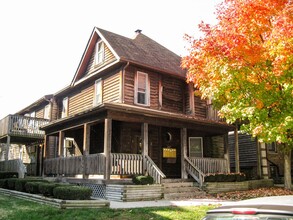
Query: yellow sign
point(169, 153)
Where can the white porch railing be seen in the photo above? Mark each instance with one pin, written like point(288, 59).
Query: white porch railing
point(210, 165)
point(194, 171)
point(121, 164)
point(153, 170)
point(13, 166)
point(126, 164)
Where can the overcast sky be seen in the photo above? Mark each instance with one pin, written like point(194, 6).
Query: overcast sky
point(41, 42)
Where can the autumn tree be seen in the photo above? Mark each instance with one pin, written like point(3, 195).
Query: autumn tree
point(244, 63)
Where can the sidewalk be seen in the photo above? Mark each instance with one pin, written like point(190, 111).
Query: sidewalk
point(162, 203)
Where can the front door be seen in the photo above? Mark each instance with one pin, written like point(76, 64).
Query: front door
point(171, 152)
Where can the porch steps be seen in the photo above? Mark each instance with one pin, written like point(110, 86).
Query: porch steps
point(181, 189)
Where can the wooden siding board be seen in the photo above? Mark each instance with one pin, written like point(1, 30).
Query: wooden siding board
point(172, 94)
point(111, 88)
point(200, 107)
point(81, 100)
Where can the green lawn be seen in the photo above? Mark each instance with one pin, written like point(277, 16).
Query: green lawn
point(18, 209)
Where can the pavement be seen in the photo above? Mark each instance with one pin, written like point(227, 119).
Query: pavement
point(164, 203)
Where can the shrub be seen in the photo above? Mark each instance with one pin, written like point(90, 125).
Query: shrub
point(5, 175)
point(47, 188)
point(32, 187)
point(143, 180)
point(11, 183)
point(20, 183)
point(3, 183)
point(72, 192)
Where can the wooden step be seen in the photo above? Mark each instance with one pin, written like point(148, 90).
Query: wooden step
point(181, 189)
point(176, 180)
point(178, 185)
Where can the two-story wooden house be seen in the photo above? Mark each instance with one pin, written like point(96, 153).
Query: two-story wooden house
point(21, 138)
point(129, 110)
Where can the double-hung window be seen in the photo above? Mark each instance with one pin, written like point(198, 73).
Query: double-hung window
point(64, 112)
point(195, 147)
point(142, 90)
point(98, 92)
point(47, 111)
point(100, 53)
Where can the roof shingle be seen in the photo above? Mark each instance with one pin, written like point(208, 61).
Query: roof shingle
point(144, 51)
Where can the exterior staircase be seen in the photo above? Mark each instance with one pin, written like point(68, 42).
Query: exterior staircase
point(177, 189)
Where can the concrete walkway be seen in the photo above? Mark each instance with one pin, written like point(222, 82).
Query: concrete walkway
point(162, 203)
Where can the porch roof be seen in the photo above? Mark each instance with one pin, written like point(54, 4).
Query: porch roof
point(130, 113)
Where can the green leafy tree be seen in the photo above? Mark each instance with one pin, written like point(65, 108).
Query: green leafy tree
point(244, 63)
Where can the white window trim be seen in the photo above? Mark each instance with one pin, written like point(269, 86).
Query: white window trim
point(97, 53)
point(47, 111)
point(65, 107)
point(96, 101)
point(147, 89)
point(201, 142)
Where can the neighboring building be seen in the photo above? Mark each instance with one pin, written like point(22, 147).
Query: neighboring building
point(257, 160)
point(129, 110)
point(21, 138)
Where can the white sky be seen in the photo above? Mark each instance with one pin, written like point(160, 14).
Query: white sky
point(42, 41)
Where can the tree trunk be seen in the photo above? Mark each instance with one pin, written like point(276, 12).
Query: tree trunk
point(287, 169)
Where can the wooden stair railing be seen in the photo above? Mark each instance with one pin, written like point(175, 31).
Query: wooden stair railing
point(77, 149)
point(194, 171)
point(153, 170)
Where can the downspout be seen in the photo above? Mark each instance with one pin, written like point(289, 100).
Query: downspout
point(123, 82)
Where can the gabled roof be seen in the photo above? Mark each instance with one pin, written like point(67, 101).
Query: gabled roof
point(140, 50)
point(44, 100)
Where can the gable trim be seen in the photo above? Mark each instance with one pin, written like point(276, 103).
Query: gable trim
point(88, 51)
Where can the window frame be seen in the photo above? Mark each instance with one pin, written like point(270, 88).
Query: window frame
point(99, 53)
point(147, 89)
point(98, 101)
point(64, 112)
point(189, 146)
point(47, 110)
point(272, 147)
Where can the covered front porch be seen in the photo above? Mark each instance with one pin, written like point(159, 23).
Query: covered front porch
point(125, 165)
point(118, 142)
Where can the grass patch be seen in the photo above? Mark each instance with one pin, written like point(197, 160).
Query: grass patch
point(14, 209)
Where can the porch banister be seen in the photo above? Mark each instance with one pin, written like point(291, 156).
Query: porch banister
point(194, 171)
point(153, 170)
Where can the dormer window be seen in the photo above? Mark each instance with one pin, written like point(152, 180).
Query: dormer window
point(100, 53)
point(142, 91)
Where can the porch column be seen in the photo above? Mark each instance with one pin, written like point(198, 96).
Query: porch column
point(145, 137)
point(7, 148)
point(61, 144)
point(86, 146)
point(227, 152)
point(183, 152)
point(43, 152)
point(107, 147)
point(237, 164)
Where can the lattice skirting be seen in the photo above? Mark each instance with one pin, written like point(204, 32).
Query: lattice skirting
point(99, 190)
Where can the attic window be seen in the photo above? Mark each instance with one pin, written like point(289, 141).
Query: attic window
point(100, 52)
